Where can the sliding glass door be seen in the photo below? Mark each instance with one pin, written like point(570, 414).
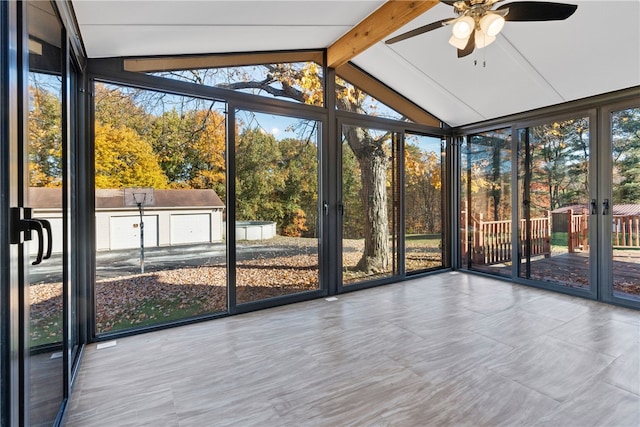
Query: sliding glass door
point(557, 203)
point(47, 188)
point(575, 225)
point(40, 327)
point(277, 224)
point(621, 228)
point(486, 202)
point(424, 203)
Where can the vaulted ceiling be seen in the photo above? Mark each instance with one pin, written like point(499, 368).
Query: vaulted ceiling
point(531, 65)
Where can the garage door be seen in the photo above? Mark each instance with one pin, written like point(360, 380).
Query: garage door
point(195, 228)
point(125, 231)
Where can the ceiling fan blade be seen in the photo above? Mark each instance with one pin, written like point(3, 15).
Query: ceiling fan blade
point(468, 49)
point(417, 31)
point(448, 2)
point(538, 11)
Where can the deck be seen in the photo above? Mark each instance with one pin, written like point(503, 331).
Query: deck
point(572, 269)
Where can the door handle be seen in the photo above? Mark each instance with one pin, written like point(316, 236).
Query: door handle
point(605, 207)
point(47, 226)
point(21, 226)
point(594, 207)
point(35, 225)
point(325, 208)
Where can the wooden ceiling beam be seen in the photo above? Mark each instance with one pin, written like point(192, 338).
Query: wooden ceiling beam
point(389, 17)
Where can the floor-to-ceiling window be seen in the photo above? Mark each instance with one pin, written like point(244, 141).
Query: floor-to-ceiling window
point(249, 143)
point(160, 192)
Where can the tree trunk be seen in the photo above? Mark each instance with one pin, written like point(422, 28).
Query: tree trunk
point(373, 168)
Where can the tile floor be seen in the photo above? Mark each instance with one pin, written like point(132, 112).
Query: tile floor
point(446, 350)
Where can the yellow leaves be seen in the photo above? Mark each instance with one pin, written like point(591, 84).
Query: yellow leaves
point(298, 224)
point(422, 167)
point(124, 159)
point(311, 84)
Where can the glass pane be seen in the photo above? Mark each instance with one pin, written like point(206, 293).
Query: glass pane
point(276, 222)
point(369, 197)
point(301, 82)
point(354, 100)
point(625, 139)
point(160, 210)
point(554, 215)
point(423, 166)
point(486, 210)
point(47, 183)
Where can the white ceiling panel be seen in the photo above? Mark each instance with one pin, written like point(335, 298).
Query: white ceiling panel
point(531, 65)
point(404, 77)
point(113, 40)
point(218, 12)
point(598, 48)
point(120, 28)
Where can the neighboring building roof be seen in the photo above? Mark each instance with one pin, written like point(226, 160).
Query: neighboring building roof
point(626, 210)
point(113, 198)
point(619, 210)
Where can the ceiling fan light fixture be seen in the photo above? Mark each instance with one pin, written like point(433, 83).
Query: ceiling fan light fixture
point(458, 43)
point(491, 24)
point(463, 27)
point(482, 39)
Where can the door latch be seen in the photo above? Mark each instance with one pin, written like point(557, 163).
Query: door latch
point(605, 207)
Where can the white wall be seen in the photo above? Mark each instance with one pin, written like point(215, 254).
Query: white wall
point(116, 229)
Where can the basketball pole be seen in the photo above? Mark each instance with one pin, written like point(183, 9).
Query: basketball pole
point(143, 198)
point(141, 239)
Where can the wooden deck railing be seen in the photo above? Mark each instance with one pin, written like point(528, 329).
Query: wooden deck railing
point(492, 244)
point(492, 240)
point(626, 231)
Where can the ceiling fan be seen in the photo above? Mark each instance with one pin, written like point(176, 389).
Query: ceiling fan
point(477, 25)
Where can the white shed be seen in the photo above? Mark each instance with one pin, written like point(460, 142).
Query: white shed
point(178, 217)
